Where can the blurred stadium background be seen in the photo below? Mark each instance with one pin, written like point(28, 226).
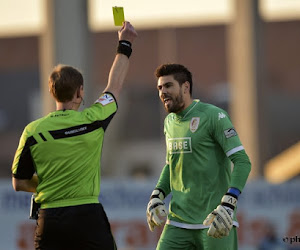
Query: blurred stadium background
point(245, 58)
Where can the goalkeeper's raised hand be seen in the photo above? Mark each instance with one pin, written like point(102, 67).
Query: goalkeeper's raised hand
point(156, 209)
point(220, 220)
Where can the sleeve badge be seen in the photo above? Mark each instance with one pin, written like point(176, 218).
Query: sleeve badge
point(105, 99)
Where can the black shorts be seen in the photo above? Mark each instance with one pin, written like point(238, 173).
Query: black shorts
point(83, 227)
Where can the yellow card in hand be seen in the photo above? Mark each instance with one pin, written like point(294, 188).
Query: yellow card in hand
point(118, 15)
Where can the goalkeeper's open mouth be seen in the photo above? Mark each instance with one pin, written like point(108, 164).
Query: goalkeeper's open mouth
point(167, 101)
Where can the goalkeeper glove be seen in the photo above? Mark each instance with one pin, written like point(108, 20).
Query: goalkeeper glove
point(220, 220)
point(156, 210)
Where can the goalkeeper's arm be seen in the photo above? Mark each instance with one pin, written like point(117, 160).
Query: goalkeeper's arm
point(220, 220)
point(156, 210)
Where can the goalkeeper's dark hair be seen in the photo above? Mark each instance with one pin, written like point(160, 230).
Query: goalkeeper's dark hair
point(180, 73)
point(64, 81)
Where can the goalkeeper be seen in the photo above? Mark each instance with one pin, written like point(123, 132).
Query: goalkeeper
point(201, 143)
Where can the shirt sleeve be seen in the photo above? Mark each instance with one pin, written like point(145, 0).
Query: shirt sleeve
point(164, 180)
point(103, 109)
point(23, 165)
point(225, 134)
point(241, 169)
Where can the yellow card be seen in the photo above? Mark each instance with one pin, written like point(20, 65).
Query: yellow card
point(118, 15)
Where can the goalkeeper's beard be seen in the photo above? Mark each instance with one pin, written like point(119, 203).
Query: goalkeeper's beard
point(176, 105)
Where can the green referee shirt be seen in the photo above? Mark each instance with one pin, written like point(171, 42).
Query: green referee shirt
point(199, 141)
point(64, 149)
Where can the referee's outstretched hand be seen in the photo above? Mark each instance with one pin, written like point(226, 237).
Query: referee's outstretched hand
point(127, 32)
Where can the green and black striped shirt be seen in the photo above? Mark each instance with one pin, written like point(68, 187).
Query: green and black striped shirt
point(64, 149)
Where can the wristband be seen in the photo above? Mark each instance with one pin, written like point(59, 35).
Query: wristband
point(124, 48)
point(234, 191)
point(158, 193)
point(229, 200)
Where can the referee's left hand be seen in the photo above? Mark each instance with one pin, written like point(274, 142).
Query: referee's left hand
point(127, 32)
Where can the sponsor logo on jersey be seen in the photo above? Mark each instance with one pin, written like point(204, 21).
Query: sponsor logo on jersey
point(180, 145)
point(74, 131)
point(230, 132)
point(221, 115)
point(105, 99)
point(194, 124)
point(57, 115)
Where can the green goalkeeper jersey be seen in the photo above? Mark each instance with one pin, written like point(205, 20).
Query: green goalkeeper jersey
point(199, 141)
point(64, 149)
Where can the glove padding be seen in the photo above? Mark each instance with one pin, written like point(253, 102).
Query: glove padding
point(156, 210)
point(220, 220)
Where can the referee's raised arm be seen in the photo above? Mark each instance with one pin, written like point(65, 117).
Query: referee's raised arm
point(118, 71)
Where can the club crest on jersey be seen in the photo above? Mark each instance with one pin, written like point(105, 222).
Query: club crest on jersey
point(194, 124)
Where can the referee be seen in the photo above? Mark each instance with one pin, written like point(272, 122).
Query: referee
point(58, 158)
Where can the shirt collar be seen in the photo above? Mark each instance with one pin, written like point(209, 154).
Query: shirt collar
point(184, 112)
